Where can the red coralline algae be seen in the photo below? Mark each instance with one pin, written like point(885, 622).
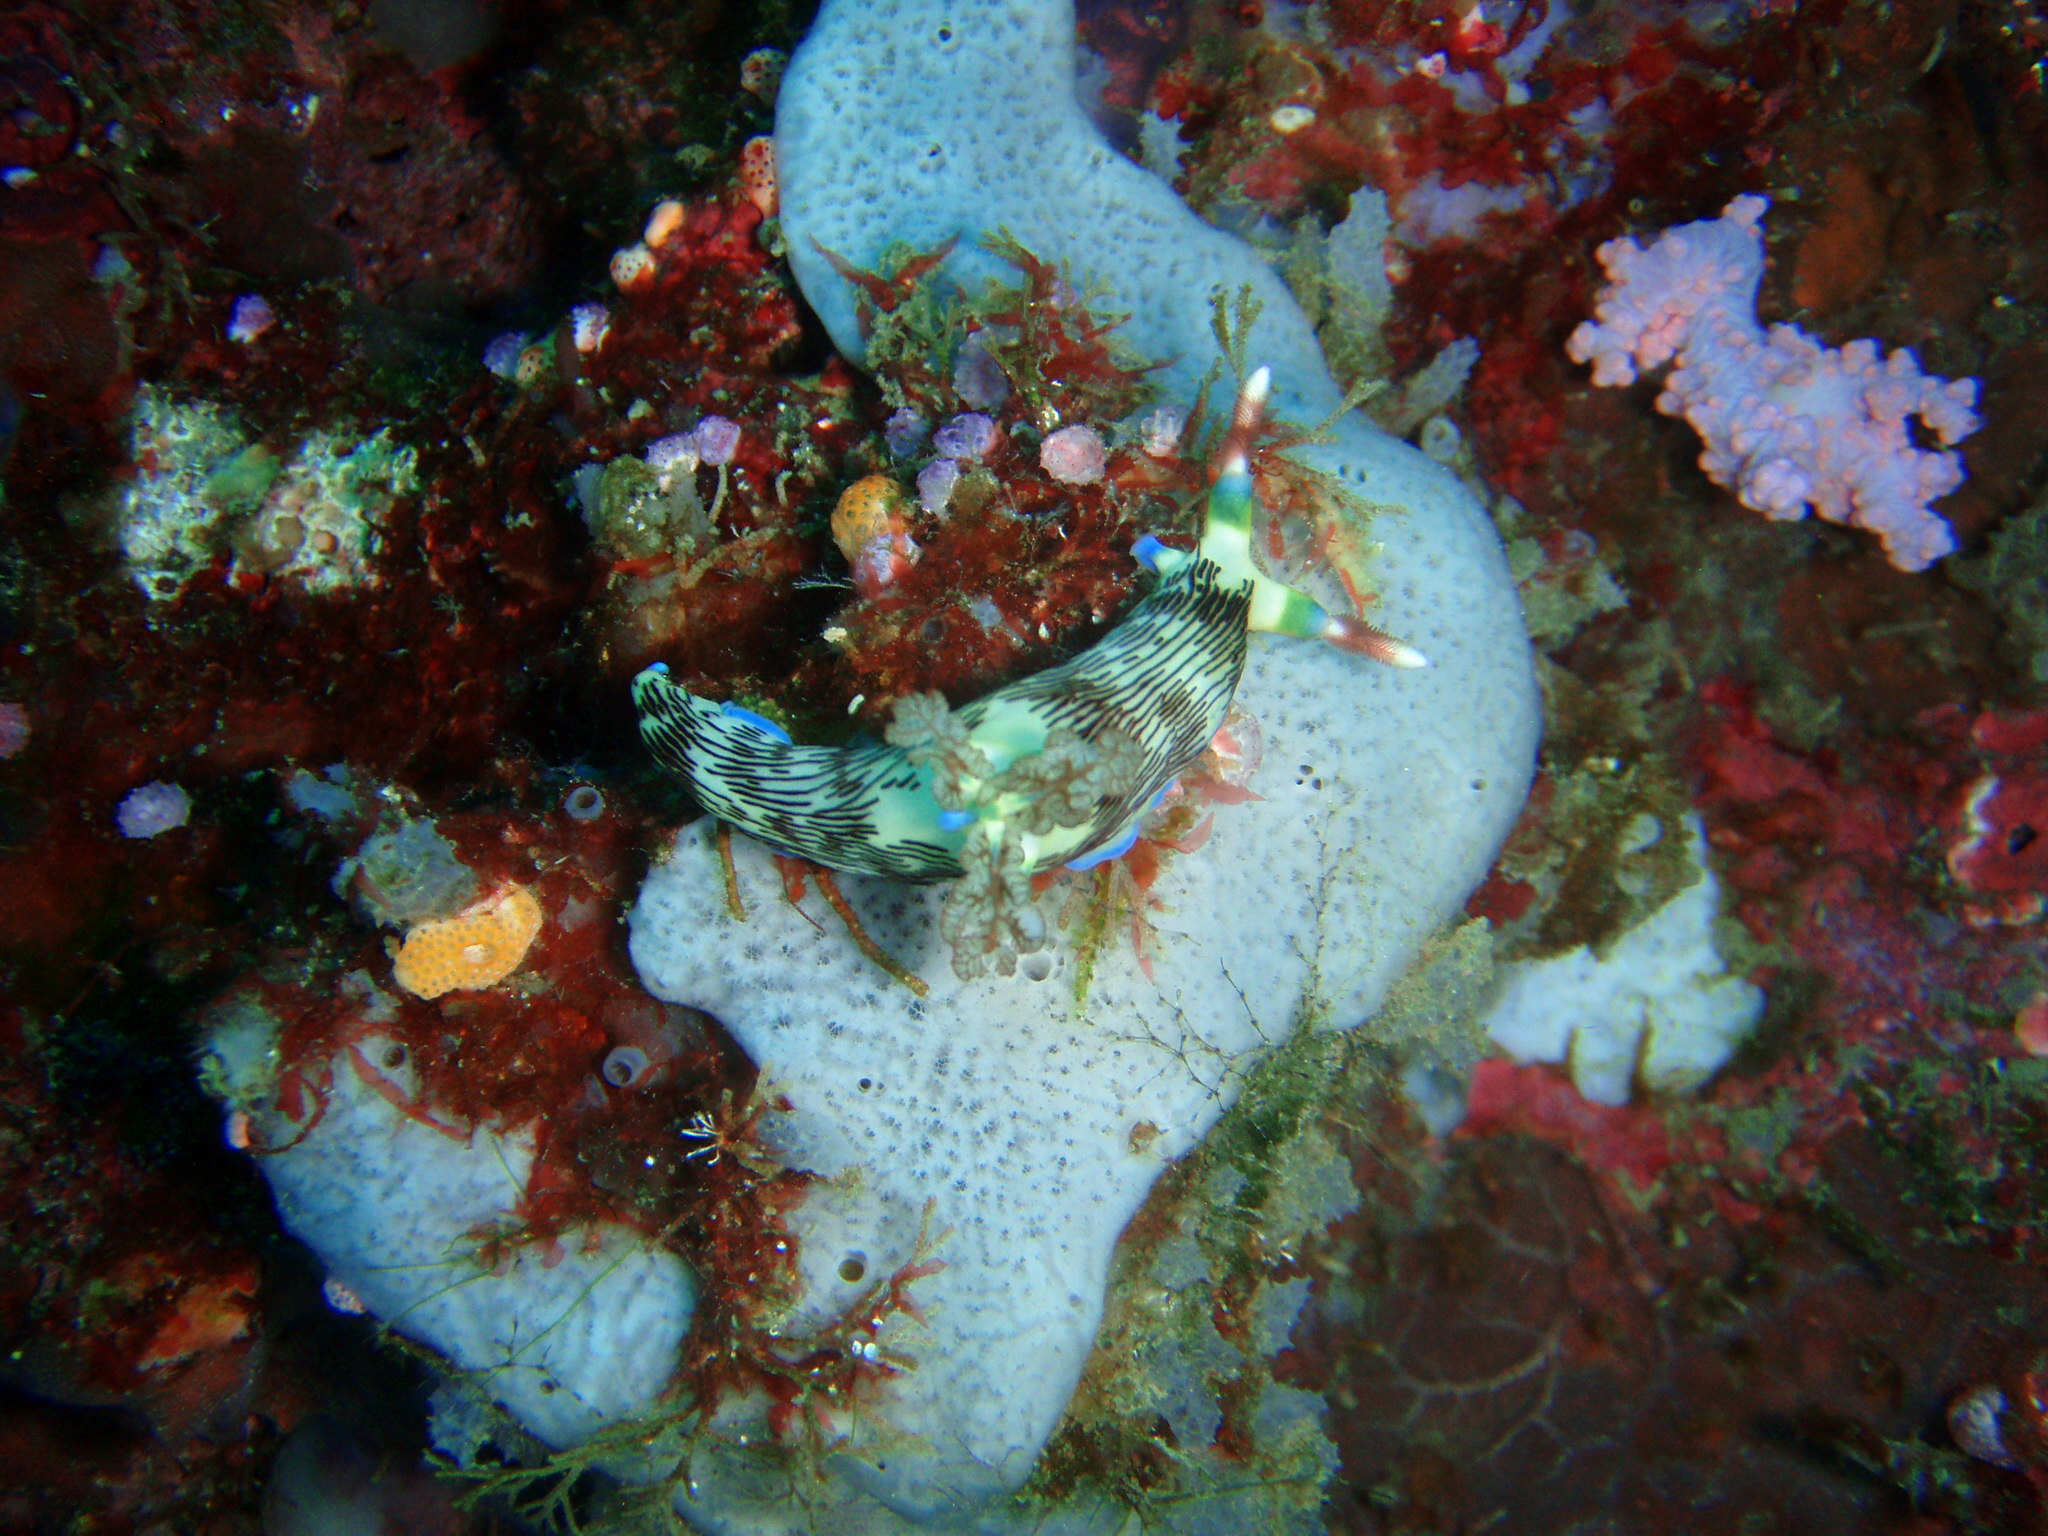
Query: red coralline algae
point(2000, 857)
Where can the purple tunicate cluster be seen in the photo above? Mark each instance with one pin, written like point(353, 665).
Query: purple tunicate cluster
point(977, 377)
point(967, 436)
point(935, 484)
point(905, 432)
point(153, 809)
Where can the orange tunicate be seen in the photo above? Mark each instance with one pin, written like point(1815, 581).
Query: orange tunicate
point(632, 266)
point(871, 530)
point(869, 509)
point(757, 174)
point(662, 224)
point(474, 949)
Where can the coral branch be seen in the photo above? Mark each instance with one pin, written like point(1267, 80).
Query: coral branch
point(1789, 425)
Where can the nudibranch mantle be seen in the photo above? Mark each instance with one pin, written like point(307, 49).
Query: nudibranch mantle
point(1056, 768)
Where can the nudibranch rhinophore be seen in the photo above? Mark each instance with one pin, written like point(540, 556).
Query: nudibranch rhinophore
point(1057, 768)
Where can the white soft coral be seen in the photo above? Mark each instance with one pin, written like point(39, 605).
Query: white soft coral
point(1789, 424)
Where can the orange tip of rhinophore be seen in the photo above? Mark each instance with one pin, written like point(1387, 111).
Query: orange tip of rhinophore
point(1357, 635)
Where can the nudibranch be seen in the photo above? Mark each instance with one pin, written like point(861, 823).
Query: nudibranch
point(1056, 768)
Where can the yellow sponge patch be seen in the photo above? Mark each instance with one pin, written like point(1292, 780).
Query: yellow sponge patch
point(471, 950)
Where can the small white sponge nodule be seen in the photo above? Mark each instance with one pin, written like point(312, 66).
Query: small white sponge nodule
point(1660, 1007)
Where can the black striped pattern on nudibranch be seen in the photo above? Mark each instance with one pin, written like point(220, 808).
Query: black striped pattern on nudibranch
point(821, 803)
point(1165, 677)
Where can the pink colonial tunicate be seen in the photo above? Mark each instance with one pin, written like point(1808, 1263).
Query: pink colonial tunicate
point(718, 439)
point(1788, 424)
point(1074, 456)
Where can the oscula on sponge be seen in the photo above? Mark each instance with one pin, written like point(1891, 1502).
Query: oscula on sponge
point(1789, 425)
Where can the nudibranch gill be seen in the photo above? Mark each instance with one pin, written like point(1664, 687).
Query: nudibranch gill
point(1056, 768)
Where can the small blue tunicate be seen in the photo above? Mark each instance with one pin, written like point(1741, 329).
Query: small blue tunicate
point(589, 324)
point(977, 377)
point(905, 431)
point(624, 1065)
point(966, 436)
point(111, 266)
point(583, 803)
point(501, 356)
point(250, 318)
point(153, 809)
point(935, 484)
point(328, 798)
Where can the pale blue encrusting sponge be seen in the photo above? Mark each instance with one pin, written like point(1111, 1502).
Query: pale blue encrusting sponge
point(929, 123)
point(1025, 1117)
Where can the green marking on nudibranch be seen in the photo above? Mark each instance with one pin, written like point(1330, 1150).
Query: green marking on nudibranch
point(1276, 608)
point(1049, 770)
